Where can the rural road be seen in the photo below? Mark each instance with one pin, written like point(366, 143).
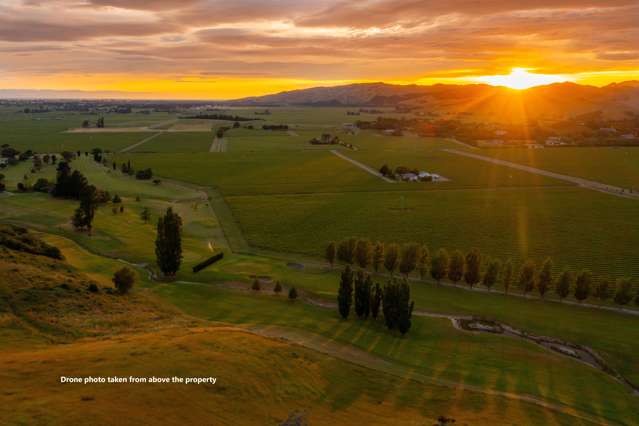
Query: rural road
point(584, 183)
point(362, 166)
point(143, 141)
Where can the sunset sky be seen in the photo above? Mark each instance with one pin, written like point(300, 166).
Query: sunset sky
point(209, 49)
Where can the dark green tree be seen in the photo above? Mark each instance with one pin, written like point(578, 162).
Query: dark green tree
point(363, 284)
point(124, 279)
point(345, 293)
point(439, 265)
point(256, 285)
point(583, 285)
point(376, 300)
point(363, 253)
point(545, 277)
point(88, 205)
point(391, 258)
point(278, 288)
point(564, 284)
point(423, 262)
point(405, 308)
point(605, 289)
point(145, 215)
point(472, 274)
point(409, 257)
point(624, 292)
point(527, 277)
point(507, 275)
point(378, 256)
point(492, 273)
point(168, 243)
point(456, 266)
point(292, 293)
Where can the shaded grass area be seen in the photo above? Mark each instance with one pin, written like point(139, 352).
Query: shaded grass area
point(433, 348)
point(258, 381)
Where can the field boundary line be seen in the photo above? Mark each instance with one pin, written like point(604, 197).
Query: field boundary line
point(584, 183)
point(135, 145)
point(362, 166)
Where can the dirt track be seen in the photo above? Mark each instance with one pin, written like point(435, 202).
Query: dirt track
point(584, 183)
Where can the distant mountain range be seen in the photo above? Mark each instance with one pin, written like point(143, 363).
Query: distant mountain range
point(552, 101)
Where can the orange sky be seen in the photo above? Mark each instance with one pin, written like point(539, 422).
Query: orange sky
point(209, 49)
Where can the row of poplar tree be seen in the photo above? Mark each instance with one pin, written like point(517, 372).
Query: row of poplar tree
point(473, 268)
point(393, 298)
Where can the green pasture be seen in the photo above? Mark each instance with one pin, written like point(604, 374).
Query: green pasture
point(615, 166)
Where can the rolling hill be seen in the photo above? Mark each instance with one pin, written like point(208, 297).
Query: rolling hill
point(556, 100)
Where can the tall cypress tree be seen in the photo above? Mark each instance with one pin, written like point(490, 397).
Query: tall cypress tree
point(545, 277)
point(168, 243)
point(88, 205)
point(527, 277)
point(345, 293)
point(404, 307)
point(376, 300)
point(456, 266)
point(472, 275)
point(439, 266)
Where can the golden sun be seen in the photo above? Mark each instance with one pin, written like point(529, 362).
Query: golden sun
point(520, 78)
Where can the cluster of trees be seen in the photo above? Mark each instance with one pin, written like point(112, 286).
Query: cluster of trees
point(225, 117)
point(474, 269)
point(275, 127)
point(393, 298)
point(387, 123)
point(277, 289)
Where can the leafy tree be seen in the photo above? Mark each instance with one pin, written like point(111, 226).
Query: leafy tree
point(116, 199)
point(564, 284)
point(376, 300)
point(363, 286)
point(168, 243)
point(405, 308)
point(345, 293)
point(411, 254)
point(527, 277)
point(423, 262)
point(346, 250)
point(492, 273)
point(145, 215)
point(124, 279)
point(456, 266)
point(78, 219)
point(378, 256)
point(391, 258)
point(507, 275)
point(331, 252)
point(582, 286)
point(545, 277)
point(624, 292)
point(88, 205)
point(292, 293)
point(604, 289)
point(278, 288)
point(472, 275)
point(439, 265)
point(256, 285)
point(363, 253)
point(397, 306)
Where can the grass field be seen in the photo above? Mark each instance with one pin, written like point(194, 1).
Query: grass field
point(614, 166)
point(277, 199)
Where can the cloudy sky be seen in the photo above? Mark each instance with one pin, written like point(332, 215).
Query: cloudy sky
point(226, 49)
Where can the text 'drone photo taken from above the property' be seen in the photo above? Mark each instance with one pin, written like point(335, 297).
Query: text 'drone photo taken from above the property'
point(319, 212)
